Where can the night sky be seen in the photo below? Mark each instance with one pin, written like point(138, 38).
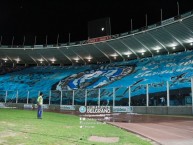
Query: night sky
point(52, 17)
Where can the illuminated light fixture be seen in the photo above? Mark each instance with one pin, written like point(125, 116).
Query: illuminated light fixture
point(53, 60)
point(142, 51)
point(173, 47)
point(17, 60)
point(115, 57)
point(89, 58)
point(76, 59)
point(5, 59)
point(191, 43)
point(173, 44)
point(189, 40)
point(157, 48)
point(128, 55)
point(102, 29)
point(41, 60)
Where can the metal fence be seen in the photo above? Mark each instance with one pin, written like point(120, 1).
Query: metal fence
point(173, 93)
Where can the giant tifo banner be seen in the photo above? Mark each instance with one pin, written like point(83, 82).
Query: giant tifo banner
point(98, 39)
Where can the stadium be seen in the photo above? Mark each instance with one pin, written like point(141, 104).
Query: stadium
point(140, 76)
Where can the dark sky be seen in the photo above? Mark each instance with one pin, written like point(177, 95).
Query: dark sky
point(52, 17)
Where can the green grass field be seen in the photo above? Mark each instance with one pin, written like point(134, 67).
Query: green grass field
point(21, 127)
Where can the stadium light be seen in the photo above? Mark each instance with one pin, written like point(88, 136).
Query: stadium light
point(40, 60)
point(53, 60)
point(142, 51)
point(17, 60)
point(76, 59)
point(128, 53)
point(5, 59)
point(114, 55)
point(173, 44)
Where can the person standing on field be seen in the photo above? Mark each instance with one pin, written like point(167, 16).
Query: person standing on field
point(40, 105)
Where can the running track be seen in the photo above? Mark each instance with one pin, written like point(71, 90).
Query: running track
point(161, 129)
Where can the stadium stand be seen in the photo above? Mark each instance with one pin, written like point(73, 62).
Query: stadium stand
point(151, 73)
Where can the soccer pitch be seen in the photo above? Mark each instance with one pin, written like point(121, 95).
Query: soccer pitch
point(21, 127)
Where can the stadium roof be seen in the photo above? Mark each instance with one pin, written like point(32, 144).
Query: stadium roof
point(168, 36)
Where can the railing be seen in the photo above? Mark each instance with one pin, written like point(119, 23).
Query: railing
point(173, 93)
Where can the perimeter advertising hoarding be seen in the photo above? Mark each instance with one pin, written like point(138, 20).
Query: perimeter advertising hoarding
point(67, 107)
point(122, 109)
point(32, 106)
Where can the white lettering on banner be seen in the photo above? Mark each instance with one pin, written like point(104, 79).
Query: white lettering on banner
point(98, 109)
point(2, 105)
point(123, 109)
point(45, 106)
point(186, 63)
point(67, 107)
point(27, 106)
point(98, 39)
point(148, 73)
